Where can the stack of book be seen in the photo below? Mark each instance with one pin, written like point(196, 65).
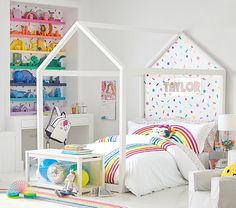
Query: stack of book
point(76, 149)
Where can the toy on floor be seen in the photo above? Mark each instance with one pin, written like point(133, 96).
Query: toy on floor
point(229, 171)
point(71, 182)
point(20, 187)
point(70, 187)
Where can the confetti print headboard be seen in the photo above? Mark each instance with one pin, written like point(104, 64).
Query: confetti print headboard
point(166, 95)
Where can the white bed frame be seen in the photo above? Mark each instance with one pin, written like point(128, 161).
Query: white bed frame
point(122, 73)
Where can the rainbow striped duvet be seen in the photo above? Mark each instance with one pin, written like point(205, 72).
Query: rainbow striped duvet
point(152, 164)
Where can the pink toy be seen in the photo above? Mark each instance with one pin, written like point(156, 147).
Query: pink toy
point(16, 13)
point(46, 16)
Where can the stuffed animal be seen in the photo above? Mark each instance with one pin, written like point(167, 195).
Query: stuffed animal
point(230, 170)
point(161, 131)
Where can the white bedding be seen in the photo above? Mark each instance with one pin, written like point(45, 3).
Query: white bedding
point(153, 171)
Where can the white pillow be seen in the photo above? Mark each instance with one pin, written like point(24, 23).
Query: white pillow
point(144, 128)
point(199, 131)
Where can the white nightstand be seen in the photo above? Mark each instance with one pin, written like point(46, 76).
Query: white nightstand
point(232, 157)
point(94, 163)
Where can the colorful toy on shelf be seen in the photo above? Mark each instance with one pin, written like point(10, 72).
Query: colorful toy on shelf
point(24, 76)
point(17, 94)
point(21, 108)
point(54, 62)
point(22, 94)
point(16, 13)
point(30, 15)
point(21, 187)
point(46, 16)
point(33, 45)
point(52, 46)
point(41, 32)
point(17, 59)
point(57, 92)
point(18, 45)
point(227, 144)
point(41, 45)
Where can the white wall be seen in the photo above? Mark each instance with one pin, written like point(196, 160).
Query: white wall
point(210, 23)
point(4, 60)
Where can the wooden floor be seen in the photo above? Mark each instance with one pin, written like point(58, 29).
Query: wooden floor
point(169, 198)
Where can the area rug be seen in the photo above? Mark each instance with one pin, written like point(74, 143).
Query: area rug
point(70, 200)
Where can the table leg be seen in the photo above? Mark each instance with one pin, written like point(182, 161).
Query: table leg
point(27, 166)
point(79, 172)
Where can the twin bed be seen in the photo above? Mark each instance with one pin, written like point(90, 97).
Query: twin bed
point(153, 162)
point(141, 162)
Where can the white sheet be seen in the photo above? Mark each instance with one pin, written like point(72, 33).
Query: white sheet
point(152, 171)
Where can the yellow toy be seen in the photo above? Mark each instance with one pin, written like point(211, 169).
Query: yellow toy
point(33, 46)
point(41, 45)
point(230, 170)
point(18, 45)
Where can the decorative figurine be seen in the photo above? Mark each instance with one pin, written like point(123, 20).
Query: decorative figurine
point(17, 59)
point(70, 185)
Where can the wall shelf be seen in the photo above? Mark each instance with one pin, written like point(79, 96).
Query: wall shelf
point(35, 36)
point(14, 84)
point(34, 52)
point(35, 67)
point(34, 99)
point(54, 22)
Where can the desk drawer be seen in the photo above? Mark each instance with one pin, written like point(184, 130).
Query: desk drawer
point(79, 121)
point(29, 124)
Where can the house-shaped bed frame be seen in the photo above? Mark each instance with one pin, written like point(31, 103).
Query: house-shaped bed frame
point(123, 72)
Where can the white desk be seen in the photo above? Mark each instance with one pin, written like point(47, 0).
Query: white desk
point(19, 123)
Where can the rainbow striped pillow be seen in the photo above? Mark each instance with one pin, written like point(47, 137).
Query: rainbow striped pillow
point(112, 138)
point(191, 135)
point(182, 135)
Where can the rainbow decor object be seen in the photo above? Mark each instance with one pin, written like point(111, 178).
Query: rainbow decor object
point(183, 136)
point(145, 131)
point(74, 201)
point(108, 139)
point(71, 201)
point(112, 162)
point(162, 143)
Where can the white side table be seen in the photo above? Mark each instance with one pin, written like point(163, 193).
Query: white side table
point(94, 162)
point(232, 157)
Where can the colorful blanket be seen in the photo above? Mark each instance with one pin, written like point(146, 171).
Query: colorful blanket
point(112, 159)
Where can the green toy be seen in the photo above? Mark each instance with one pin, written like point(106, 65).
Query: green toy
point(34, 61)
point(54, 62)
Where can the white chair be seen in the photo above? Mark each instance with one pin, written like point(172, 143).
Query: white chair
point(208, 189)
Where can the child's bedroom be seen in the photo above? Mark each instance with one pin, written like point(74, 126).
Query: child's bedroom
point(117, 104)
